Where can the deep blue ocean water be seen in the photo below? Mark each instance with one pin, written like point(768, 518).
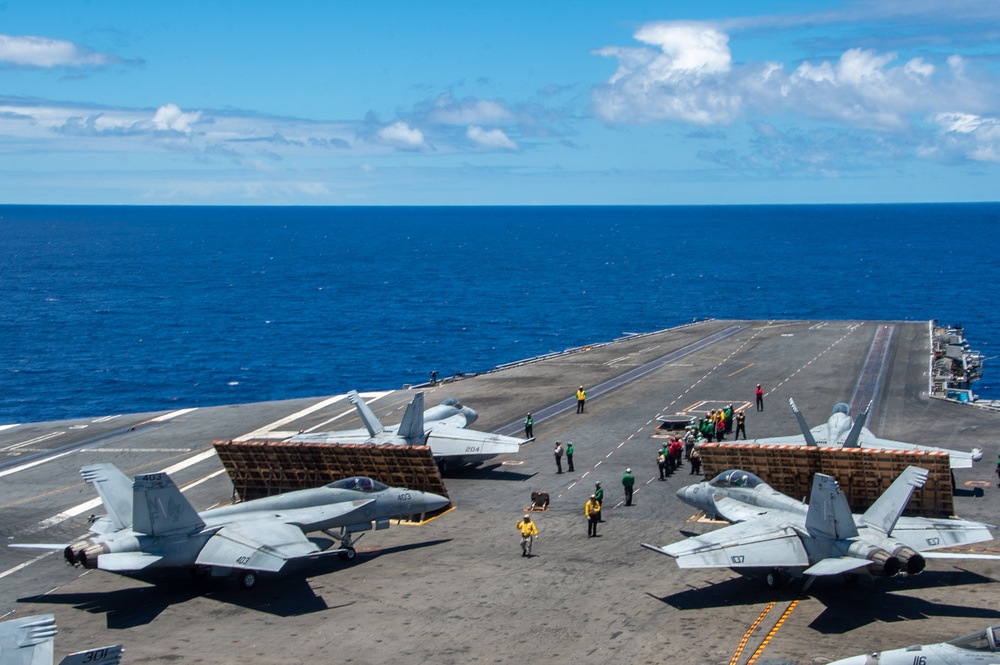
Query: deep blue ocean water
point(126, 309)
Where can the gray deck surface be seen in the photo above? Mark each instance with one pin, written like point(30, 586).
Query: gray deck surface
point(456, 590)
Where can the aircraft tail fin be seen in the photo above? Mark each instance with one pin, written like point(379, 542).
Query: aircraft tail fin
point(159, 508)
point(810, 439)
point(411, 427)
point(115, 490)
point(852, 437)
point(829, 516)
point(28, 640)
point(367, 416)
point(885, 512)
point(99, 656)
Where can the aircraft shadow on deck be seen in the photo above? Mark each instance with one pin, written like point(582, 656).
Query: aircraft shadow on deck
point(285, 595)
point(846, 606)
point(487, 472)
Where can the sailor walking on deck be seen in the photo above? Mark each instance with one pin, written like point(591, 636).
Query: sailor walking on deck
point(581, 399)
point(529, 426)
point(592, 509)
point(528, 534)
point(760, 397)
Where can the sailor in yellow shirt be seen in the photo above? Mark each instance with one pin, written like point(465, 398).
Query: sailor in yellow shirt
point(581, 399)
point(593, 512)
point(528, 534)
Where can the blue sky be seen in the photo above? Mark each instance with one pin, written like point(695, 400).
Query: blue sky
point(448, 103)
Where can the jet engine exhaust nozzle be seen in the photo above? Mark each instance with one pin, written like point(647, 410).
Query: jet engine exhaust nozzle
point(884, 564)
point(913, 563)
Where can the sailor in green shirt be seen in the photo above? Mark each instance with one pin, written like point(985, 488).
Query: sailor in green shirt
point(599, 493)
point(628, 482)
point(569, 455)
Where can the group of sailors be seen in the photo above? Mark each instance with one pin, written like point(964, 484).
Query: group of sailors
point(717, 423)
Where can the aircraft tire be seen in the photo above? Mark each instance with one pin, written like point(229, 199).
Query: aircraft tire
point(775, 579)
point(348, 554)
point(200, 572)
point(247, 579)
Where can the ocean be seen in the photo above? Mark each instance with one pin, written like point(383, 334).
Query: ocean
point(129, 309)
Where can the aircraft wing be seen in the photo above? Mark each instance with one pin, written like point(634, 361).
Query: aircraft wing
point(454, 441)
point(752, 544)
point(264, 544)
point(100, 656)
point(733, 510)
point(836, 565)
point(957, 459)
point(126, 562)
point(28, 640)
point(926, 533)
point(336, 436)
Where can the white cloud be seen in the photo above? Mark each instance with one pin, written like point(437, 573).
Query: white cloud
point(690, 77)
point(31, 51)
point(169, 117)
point(445, 110)
point(686, 79)
point(401, 135)
point(493, 138)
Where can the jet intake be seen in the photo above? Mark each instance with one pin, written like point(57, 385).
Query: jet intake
point(912, 562)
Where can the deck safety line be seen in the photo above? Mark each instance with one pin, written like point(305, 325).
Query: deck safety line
point(746, 636)
point(772, 632)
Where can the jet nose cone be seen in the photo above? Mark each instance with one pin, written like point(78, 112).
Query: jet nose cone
point(682, 493)
point(434, 502)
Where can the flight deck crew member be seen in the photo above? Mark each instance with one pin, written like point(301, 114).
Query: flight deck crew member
point(529, 426)
point(695, 462)
point(581, 398)
point(569, 456)
point(528, 534)
point(760, 397)
point(558, 452)
point(592, 510)
point(599, 493)
point(628, 482)
point(741, 425)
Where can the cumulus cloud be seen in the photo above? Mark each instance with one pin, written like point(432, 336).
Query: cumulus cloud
point(170, 118)
point(493, 138)
point(401, 135)
point(43, 52)
point(446, 110)
point(684, 73)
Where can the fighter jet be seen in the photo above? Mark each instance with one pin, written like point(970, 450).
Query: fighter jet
point(441, 428)
point(774, 532)
point(151, 525)
point(978, 648)
point(31, 641)
point(842, 430)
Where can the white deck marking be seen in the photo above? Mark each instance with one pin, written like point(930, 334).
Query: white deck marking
point(106, 418)
point(21, 566)
point(3, 427)
point(29, 465)
point(170, 416)
point(37, 439)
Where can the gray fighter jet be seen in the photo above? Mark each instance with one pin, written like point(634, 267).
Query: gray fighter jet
point(978, 648)
point(31, 641)
point(151, 525)
point(441, 428)
point(785, 537)
point(842, 430)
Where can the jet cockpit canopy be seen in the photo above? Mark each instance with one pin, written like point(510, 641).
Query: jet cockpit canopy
point(983, 640)
point(840, 407)
point(736, 478)
point(358, 484)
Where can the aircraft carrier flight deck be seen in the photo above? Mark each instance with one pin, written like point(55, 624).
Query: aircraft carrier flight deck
point(455, 589)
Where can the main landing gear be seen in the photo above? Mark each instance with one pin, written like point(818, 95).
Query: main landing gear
point(346, 542)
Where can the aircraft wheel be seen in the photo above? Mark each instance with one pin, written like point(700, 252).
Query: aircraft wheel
point(442, 465)
point(200, 572)
point(774, 579)
point(248, 579)
point(348, 554)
